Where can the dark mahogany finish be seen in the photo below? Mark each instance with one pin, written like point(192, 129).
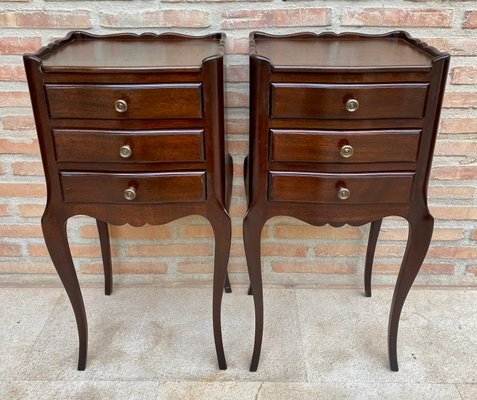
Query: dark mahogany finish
point(342, 131)
point(137, 116)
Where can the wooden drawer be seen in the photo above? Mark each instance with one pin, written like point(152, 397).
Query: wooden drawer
point(129, 146)
point(138, 101)
point(344, 146)
point(374, 188)
point(84, 187)
point(328, 101)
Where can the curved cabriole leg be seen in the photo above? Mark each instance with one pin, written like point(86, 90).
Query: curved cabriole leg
point(54, 232)
point(106, 254)
point(368, 269)
point(420, 233)
point(222, 227)
point(252, 229)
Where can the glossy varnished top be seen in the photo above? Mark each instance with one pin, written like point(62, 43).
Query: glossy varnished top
point(146, 52)
point(340, 52)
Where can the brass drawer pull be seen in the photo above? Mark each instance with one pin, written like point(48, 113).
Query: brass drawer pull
point(120, 106)
point(130, 193)
point(344, 193)
point(352, 105)
point(125, 151)
point(346, 151)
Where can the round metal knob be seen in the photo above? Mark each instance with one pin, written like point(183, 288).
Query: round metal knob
point(120, 106)
point(346, 151)
point(344, 193)
point(125, 151)
point(352, 105)
point(130, 193)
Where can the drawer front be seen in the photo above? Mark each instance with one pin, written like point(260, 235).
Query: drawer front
point(125, 101)
point(325, 101)
point(129, 146)
point(340, 188)
point(83, 187)
point(344, 146)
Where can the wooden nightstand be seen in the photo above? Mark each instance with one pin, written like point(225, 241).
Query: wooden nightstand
point(342, 131)
point(131, 130)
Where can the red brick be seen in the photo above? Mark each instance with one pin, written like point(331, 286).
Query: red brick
point(31, 210)
point(460, 100)
point(26, 267)
point(126, 268)
point(434, 268)
point(284, 250)
point(28, 168)
point(149, 232)
point(237, 146)
point(315, 268)
point(196, 231)
point(18, 123)
point(10, 250)
point(456, 148)
point(451, 192)
point(461, 252)
point(11, 146)
point(237, 266)
point(4, 211)
point(237, 210)
point(454, 212)
point(471, 269)
point(314, 232)
point(237, 73)
point(77, 250)
point(236, 98)
point(387, 250)
point(41, 19)
point(236, 45)
point(387, 16)
point(12, 73)
point(474, 234)
point(195, 267)
point(14, 99)
point(451, 172)
point(19, 44)
point(13, 189)
point(172, 250)
point(455, 46)
point(239, 19)
point(464, 76)
point(339, 249)
point(470, 21)
point(438, 234)
point(459, 125)
point(236, 124)
point(157, 19)
point(21, 230)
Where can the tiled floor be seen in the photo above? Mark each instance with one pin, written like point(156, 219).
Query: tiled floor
point(157, 343)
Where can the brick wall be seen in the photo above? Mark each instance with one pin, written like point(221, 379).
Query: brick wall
point(293, 251)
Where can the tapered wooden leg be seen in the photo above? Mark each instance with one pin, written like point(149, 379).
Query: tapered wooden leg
point(106, 254)
point(54, 232)
point(252, 229)
point(223, 235)
point(420, 233)
point(368, 269)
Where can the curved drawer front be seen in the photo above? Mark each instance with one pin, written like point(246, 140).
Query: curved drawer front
point(181, 100)
point(344, 146)
point(83, 187)
point(340, 188)
point(341, 101)
point(129, 146)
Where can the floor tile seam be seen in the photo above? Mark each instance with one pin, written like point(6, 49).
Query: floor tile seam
point(38, 336)
point(302, 343)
